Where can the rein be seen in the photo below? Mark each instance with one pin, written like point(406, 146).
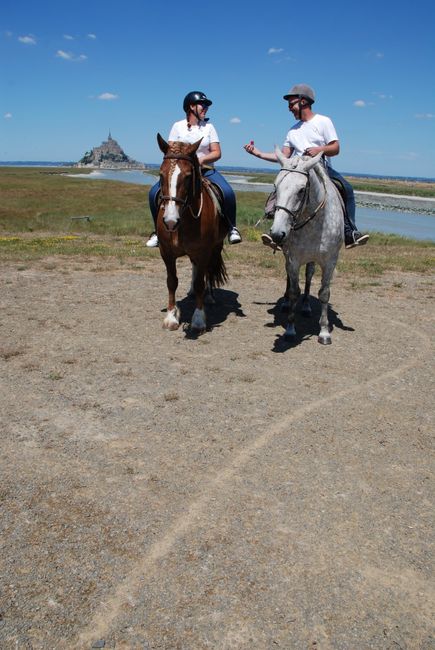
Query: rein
point(296, 213)
point(176, 199)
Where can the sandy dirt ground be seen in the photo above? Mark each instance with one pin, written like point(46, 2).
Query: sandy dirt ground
point(230, 491)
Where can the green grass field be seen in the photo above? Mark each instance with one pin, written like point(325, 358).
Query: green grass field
point(42, 210)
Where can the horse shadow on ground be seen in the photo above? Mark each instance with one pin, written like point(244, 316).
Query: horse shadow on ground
point(226, 303)
point(307, 327)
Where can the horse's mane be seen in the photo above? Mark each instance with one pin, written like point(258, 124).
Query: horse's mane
point(321, 172)
point(176, 147)
point(180, 148)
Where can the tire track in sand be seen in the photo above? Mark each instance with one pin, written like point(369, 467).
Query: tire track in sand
point(101, 622)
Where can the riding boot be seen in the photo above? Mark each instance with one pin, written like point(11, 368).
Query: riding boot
point(352, 236)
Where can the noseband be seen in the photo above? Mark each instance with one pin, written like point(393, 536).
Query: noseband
point(296, 213)
point(183, 202)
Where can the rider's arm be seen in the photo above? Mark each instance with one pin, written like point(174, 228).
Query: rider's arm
point(271, 157)
point(214, 154)
point(330, 149)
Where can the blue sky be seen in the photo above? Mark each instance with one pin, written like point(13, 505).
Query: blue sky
point(72, 71)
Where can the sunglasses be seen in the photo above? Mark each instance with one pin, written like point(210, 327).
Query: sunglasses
point(293, 103)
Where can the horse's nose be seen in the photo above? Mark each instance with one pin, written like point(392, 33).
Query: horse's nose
point(278, 237)
point(171, 224)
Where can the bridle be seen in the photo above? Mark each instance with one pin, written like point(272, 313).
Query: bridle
point(296, 213)
point(195, 182)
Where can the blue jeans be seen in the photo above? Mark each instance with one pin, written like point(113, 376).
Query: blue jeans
point(349, 217)
point(214, 177)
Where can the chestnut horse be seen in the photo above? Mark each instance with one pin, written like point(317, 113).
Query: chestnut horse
point(188, 223)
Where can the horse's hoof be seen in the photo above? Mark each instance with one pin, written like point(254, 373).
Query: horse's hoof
point(198, 332)
point(198, 323)
point(290, 332)
point(172, 326)
point(325, 340)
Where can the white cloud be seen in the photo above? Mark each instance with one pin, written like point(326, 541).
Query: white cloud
point(67, 37)
point(359, 103)
point(275, 50)
point(409, 155)
point(235, 120)
point(7, 116)
point(107, 96)
point(27, 40)
point(383, 96)
point(425, 116)
point(69, 56)
point(64, 55)
point(375, 54)
point(91, 36)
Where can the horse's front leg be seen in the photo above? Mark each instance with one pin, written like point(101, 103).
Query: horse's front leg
point(198, 322)
point(172, 320)
point(284, 304)
point(293, 294)
point(306, 307)
point(324, 293)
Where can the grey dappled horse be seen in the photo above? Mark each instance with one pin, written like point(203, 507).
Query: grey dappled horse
point(308, 224)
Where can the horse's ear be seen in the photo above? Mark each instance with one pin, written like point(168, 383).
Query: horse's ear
point(194, 146)
point(162, 144)
point(279, 154)
point(311, 163)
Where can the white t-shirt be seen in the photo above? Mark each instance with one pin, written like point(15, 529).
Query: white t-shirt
point(317, 132)
point(205, 130)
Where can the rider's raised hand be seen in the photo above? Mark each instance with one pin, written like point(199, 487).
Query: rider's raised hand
point(250, 148)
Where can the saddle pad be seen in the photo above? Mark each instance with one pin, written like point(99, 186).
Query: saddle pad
point(216, 195)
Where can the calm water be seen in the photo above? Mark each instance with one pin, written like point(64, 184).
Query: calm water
point(408, 224)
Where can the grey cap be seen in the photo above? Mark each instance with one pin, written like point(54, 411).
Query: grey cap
point(301, 90)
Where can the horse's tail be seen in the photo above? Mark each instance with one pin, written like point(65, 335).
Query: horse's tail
point(217, 272)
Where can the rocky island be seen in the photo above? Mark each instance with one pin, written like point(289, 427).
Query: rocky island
point(109, 155)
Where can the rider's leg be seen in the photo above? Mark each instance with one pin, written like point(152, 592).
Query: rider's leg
point(234, 236)
point(352, 236)
point(152, 198)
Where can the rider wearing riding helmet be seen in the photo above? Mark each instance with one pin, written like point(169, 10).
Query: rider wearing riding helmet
point(191, 129)
point(313, 134)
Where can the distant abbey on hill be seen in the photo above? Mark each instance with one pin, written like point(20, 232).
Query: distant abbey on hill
point(109, 155)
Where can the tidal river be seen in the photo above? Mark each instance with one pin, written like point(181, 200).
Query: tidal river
point(410, 217)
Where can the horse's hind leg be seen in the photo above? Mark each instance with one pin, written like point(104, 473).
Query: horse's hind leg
point(172, 320)
point(324, 293)
point(198, 322)
point(309, 272)
point(208, 296)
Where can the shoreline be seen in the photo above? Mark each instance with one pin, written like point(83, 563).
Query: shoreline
point(396, 202)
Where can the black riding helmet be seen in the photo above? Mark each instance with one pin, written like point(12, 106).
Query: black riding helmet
point(195, 97)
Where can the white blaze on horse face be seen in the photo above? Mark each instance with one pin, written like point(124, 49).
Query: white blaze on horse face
point(172, 215)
